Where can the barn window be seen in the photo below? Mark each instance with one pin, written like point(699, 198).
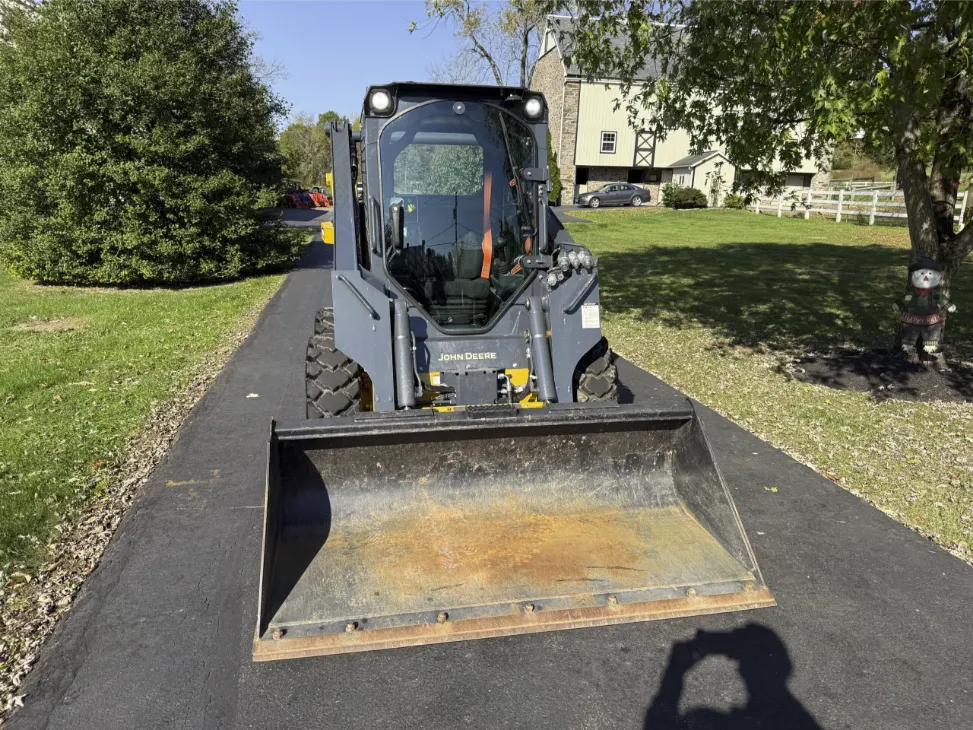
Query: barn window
point(608, 143)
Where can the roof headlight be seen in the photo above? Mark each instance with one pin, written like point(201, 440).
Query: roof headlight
point(534, 107)
point(380, 101)
point(574, 259)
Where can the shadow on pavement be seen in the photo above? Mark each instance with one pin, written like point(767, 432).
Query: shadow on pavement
point(304, 217)
point(764, 666)
point(317, 255)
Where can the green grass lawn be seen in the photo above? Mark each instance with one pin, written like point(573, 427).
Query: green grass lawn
point(79, 371)
point(709, 300)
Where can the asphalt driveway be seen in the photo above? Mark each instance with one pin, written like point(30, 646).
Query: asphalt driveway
point(873, 627)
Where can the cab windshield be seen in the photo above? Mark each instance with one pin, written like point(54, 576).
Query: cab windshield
point(468, 217)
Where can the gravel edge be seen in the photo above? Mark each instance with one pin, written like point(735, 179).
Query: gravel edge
point(31, 605)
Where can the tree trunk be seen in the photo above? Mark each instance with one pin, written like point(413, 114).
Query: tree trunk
point(952, 251)
point(524, 52)
point(931, 231)
point(943, 189)
point(923, 232)
point(478, 47)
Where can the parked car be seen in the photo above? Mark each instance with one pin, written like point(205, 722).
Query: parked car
point(615, 194)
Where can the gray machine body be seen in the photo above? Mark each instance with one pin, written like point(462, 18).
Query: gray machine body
point(366, 296)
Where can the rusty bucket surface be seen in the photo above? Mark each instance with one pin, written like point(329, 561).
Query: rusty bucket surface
point(390, 531)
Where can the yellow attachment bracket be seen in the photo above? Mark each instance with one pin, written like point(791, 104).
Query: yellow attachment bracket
point(518, 376)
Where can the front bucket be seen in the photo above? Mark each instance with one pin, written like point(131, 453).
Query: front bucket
point(396, 530)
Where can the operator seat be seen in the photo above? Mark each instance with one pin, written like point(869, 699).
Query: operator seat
point(463, 297)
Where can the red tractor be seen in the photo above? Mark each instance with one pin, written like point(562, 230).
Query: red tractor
point(320, 197)
point(297, 199)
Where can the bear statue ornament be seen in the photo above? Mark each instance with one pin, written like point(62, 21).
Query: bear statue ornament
point(923, 312)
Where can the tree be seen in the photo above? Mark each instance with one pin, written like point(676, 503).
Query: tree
point(323, 120)
point(464, 66)
point(136, 145)
point(783, 81)
point(439, 169)
point(306, 150)
point(555, 172)
point(847, 153)
point(14, 6)
point(500, 41)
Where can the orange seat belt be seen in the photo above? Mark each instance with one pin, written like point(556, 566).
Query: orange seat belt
point(487, 245)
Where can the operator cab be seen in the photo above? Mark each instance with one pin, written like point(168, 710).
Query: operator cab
point(452, 182)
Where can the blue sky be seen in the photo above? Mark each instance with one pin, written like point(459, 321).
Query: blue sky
point(333, 50)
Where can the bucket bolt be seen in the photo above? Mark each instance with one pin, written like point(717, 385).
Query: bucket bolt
point(279, 634)
point(612, 601)
point(442, 618)
point(351, 626)
point(529, 608)
point(691, 593)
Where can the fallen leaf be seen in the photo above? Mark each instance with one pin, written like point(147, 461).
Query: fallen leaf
point(253, 395)
point(772, 489)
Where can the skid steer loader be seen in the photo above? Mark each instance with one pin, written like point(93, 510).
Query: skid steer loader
point(465, 470)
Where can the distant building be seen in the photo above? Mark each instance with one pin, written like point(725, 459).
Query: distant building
point(595, 145)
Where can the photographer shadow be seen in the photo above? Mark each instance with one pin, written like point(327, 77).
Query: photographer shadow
point(765, 668)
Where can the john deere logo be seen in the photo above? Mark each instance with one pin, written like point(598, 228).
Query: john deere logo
point(468, 356)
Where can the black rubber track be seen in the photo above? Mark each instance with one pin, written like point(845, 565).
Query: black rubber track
point(596, 377)
point(333, 379)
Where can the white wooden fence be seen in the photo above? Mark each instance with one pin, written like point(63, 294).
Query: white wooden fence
point(844, 203)
point(868, 184)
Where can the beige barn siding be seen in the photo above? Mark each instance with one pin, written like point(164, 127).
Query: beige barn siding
point(674, 147)
point(597, 115)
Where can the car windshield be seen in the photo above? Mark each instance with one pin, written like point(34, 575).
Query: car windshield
point(468, 218)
